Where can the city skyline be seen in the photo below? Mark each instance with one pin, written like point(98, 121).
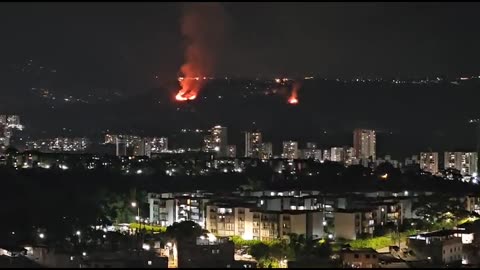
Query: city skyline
point(239, 135)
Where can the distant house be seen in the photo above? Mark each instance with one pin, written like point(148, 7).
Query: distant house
point(441, 247)
point(206, 253)
point(359, 258)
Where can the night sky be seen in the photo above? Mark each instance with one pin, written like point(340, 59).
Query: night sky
point(139, 49)
point(130, 43)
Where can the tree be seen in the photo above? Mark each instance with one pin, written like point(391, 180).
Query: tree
point(259, 250)
point(185, 230)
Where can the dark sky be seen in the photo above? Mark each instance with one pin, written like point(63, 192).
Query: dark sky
point(129, 43)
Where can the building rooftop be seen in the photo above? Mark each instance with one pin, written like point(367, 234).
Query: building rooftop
point(359, 250)
point(355, 210)
point(439, 233)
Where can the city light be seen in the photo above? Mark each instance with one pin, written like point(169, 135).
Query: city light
point(211, 237)
point(78, 233)
point(146, 247)
point(41, 235)
point(134, 204)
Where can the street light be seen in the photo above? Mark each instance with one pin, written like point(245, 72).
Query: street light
point(137, 218)
point(78, 233)
point(41, 235)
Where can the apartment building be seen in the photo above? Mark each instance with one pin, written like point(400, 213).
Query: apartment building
point(352, 223)
point(167, 208)
point(249, 222)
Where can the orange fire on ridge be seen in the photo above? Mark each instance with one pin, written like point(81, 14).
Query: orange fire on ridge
point(189, 90)
point(293, 99)
point(203, 29)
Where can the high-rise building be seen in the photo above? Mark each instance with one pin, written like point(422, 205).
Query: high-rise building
point(121, 146)
point(349, 155)
point(310, 151)
point(465, 162)
point(337, 154)
point(157, 144)
point(253, 144)
point(290, 150)
point(364, 142)
point(266, 150)
point(326, 155)
point(429, 162)
point(216, 141)
point(231, 151)
point(138, 146)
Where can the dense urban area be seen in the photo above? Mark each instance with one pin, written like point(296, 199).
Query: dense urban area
point(136, 202)
point(239, 135)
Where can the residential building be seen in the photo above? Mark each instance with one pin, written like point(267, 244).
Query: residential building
point(359, 258)
point(121, 146)
point(290, 150)
point(206, 252)
point(364, 143)
point(253, 144)
point(352, 223)
point(266, 150)
point(337, 154)
point(441, 247)
point(167, 208)
point(231, 151)
point(429, 162)
point(249, 222)
point(465, 162)
point(157, 144)
point(326, 155)
point(138, 147)
point(349, 155)
point(216, 141)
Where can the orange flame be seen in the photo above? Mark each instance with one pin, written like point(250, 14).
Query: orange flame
point(189, 90)
point(202, 27)
point(293, 99)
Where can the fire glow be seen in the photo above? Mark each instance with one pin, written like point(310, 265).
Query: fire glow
point(203, 29)
point(293, 99)
point(189, 90)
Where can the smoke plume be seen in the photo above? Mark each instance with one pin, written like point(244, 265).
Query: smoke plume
point(203, 27)
point(293, 99)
